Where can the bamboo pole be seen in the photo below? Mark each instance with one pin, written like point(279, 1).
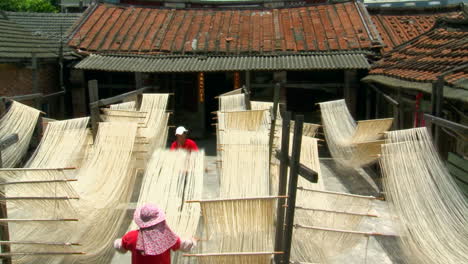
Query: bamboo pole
point(242, 111)
point(45, 181)
point(39, 243)
point(237, 199)
point(38, 220)
point(339, 193)
point(39, 253)
point(36, 169)
point(343, 231)
point(129, 116)
point(122, 110)
point(232, 254)
point(333, 211)
point(38, 198)
point(373, 120)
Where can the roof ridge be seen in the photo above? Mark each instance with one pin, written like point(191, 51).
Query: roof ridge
point(411, 10)
point(224, 8)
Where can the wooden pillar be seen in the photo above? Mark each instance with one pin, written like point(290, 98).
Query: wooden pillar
point(283, 178)
point(437, 100)
point(35, 80)
point(368, 102)
point(292, 186)
point(273, 120)
point(378, 99)
point(247, 82)
point(350, 90)
point(401, 110)
point(138, 80)
point(94, 110)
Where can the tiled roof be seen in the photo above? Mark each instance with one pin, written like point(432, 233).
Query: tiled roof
point(50, 25)
point(399, 25)
point(423, 59)
point(18, 42)
point(323, 27)
point(74, 3)
point(167, 63)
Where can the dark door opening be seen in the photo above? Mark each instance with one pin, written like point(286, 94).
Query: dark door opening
point(215, 84)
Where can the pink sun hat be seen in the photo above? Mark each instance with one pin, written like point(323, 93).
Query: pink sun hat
point(154, 236)
point(148, 215)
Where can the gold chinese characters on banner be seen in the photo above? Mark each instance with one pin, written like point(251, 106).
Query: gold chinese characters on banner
point(201, 87)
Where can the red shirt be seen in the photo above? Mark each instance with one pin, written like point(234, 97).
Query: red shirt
point(189, 145)
point(129, 242)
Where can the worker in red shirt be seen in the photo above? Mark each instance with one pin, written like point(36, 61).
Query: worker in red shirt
point(182, 142)
point(153, 242)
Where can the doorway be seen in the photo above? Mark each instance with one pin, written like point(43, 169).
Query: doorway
point(215, 84)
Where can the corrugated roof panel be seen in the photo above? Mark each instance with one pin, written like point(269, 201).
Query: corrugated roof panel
point(227, 63)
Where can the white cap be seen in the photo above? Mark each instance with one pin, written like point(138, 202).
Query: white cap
point(180, 130)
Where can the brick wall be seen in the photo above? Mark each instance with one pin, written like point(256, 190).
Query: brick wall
point(17, 80)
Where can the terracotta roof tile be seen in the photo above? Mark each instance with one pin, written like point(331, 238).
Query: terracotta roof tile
point(400, 25)
point(322, 27)
point(429, 55)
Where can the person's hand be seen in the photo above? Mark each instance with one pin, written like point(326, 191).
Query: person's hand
point(118, 246)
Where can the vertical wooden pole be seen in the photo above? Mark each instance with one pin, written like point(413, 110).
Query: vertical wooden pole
point(35, 80)
point(377, 105)
point(247, 91)
point(283, 178)
point(94, 111)
point(439, 99)
point(368, 102)
point(138, 80)
point(396, 117)
point(350, 91)
point(401, 112)
point(247, 82)
point(292, 186)
point(276, 97)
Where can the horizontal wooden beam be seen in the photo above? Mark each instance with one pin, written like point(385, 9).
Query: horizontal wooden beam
point(335, 212)
point(25, 97)
point(462, 129)
point(39, 198)
point(237, 199)
point(53, 94)
point(304, 171)
point(118, 98)
point(39, 243)
point(384, 95)
point(36, 169)
point(342, 231)
point(339, 193)
point(232, 254)
point(38, 181)
point(38, 220)
point(12, 254)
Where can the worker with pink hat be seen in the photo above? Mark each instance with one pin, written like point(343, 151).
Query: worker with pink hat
point(153, 241)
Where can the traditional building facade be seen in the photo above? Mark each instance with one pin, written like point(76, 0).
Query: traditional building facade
point(324, 49)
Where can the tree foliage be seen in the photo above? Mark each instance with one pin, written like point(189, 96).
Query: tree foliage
point(28, 5)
